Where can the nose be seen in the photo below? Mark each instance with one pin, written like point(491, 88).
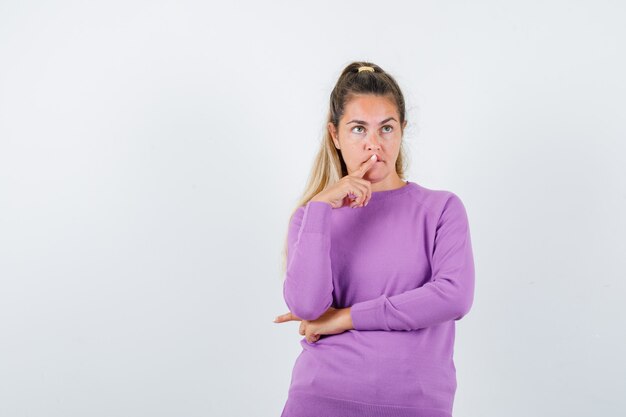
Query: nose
point(372, 142)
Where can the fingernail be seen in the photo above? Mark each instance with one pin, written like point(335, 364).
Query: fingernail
point(373, 156)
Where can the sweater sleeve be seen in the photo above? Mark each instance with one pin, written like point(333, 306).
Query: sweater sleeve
point(308, 284)
point(448, 295)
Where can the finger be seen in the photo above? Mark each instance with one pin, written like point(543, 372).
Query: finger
point(355, 194)
point(302, 328)
point(360, 193)
point(280, 319)
point(368, 197)
point(285, 317)
point(365, 166)
point(367, 186)
point(312, 338)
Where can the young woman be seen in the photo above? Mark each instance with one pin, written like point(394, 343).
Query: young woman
point(378, 268)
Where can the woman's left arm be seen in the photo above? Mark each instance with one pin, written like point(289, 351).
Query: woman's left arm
point(447, 296)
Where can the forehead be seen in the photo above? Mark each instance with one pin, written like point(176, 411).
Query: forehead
point(370, 107)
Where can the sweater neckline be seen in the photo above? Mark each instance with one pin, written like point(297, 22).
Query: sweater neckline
point(381, 195)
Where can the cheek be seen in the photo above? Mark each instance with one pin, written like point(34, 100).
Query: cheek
point(351, 154)
point(392, 146)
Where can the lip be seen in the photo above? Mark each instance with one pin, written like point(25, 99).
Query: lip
point(378, 158)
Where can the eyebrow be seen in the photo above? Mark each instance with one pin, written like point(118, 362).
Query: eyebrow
point(365, 123)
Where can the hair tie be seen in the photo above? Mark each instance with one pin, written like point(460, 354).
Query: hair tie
point(366, 68)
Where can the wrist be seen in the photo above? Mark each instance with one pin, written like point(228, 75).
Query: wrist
point(348, 318)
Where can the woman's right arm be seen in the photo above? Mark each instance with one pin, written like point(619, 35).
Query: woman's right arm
point(308, 284)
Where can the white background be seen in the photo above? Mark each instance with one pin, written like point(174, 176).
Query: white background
point(151, 153)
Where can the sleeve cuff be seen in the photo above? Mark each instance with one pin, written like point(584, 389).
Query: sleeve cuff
point(368, 315)
point(316, 216)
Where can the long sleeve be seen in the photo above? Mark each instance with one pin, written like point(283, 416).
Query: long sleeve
point(308, 284)
point(447, 296)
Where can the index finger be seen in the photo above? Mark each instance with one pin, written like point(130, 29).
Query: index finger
point(365, 166)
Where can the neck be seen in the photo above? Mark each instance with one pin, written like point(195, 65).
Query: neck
point(390, 182)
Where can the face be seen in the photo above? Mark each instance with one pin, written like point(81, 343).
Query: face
point(370, 125)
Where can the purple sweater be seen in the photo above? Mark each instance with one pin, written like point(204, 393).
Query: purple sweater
point(404, 264)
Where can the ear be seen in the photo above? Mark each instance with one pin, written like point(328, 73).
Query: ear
point(333, 134)
point(404, 125)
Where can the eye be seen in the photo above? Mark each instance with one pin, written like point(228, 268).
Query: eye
point(390, 128)
point(357, 127)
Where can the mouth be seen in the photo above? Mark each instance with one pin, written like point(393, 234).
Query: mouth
point(378, 159)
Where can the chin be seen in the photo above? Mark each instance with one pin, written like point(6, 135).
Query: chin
point(375, 176)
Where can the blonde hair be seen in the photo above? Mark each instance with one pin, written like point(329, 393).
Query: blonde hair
point(329, 166)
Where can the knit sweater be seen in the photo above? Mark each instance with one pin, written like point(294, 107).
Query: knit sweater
point(404, 265)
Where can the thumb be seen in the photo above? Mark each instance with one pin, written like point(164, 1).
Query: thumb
point(365, 166)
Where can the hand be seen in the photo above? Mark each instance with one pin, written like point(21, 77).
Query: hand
point(351, 189)
point(333, 321)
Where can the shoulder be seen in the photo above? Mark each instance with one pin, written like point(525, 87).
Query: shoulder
point(438, 201)
point(310, 210)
